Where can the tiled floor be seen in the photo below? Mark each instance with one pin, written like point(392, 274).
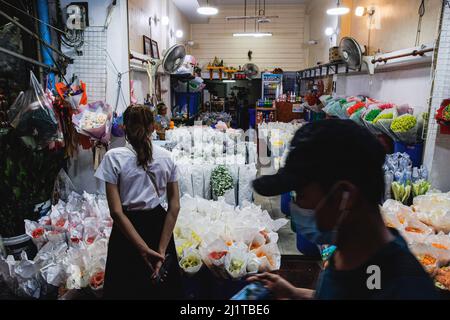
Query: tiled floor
point(287, 241)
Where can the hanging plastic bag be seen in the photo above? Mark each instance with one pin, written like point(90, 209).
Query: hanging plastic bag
point(32, 114)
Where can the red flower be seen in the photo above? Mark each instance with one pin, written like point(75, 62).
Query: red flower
point(97, 279)
point(217, 255)
point(75, 240)
point(61, 222)
point(90, 240)
point(37, 233)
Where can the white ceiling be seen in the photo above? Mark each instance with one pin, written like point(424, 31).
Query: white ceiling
point(189, 7)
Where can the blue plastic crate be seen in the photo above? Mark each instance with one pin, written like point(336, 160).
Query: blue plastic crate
point(415, 152)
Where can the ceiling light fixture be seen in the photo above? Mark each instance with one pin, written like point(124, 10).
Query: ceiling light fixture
point(252, 34)
point(338, 10)
point(207, 10)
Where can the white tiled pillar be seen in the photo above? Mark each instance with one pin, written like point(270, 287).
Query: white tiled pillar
point(437, 149)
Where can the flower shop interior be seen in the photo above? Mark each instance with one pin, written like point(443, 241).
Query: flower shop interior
point(229, 83)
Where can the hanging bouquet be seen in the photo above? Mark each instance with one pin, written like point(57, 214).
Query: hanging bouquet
point(74, 93)
point(94, 121)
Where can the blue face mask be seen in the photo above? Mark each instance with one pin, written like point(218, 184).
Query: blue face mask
point(306, 224)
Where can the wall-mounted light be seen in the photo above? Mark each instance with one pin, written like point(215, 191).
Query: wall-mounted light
point(252, 34)
point(338, 10)
point(179, 34)
point(165, 21)
point(207, 10)
point(229, 81)
point(363, 11)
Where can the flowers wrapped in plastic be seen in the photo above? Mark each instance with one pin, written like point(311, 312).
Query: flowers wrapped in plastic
point(94, 121)
point(221, 181)
point(335, 108)
point(230, 241)
point(191, 263)
point(434, 210)
point(72, 242)
point(407, 128)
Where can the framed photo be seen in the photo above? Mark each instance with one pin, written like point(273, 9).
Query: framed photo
point(155, 50)
point(147, 46)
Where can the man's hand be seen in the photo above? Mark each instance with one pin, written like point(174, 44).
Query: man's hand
point(280, 287)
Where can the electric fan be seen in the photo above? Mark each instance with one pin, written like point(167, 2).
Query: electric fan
point(352, 53)
point(251, 70)
point(172, 60)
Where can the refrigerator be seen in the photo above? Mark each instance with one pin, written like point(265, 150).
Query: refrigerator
point(272, 86)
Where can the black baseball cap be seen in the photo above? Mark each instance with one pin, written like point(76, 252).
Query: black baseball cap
point(327, 151)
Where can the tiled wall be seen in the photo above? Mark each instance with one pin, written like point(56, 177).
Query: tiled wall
point(437, 152)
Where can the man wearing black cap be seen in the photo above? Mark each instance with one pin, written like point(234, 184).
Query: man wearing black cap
point(335, 169)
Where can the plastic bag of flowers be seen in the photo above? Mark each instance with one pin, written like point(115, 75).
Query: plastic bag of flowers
point(94, 121)
point(191, 261)
point(368, 116)
point(441, 242)
point(428, 256)
point(335, 108)
point(434, 209)
point(213, 255)
point(415, 231)
point(221, 181)
point(36, 232)
point(406, 129)
point(269, 257)
point(384, 120)
point(236, 261)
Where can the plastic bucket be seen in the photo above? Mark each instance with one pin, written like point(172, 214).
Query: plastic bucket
point(43, 208)
point(415, 152)
point(252, 117)
point(306, 247)
point(285, 203)
point(15, 245)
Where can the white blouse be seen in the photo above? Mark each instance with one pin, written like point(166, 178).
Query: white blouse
point(119, 166)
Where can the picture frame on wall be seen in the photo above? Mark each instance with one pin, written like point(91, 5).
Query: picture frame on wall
point(147, 45)
point(151, 48)
point(155, 49)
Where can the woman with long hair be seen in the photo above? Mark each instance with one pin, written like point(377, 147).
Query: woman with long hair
point(141, 262)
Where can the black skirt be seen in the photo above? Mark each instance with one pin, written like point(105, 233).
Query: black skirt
point(127, 276)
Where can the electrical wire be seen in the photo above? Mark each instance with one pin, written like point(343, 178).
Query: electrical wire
point(419, 25)
point(62, 39)
point(29, 15)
